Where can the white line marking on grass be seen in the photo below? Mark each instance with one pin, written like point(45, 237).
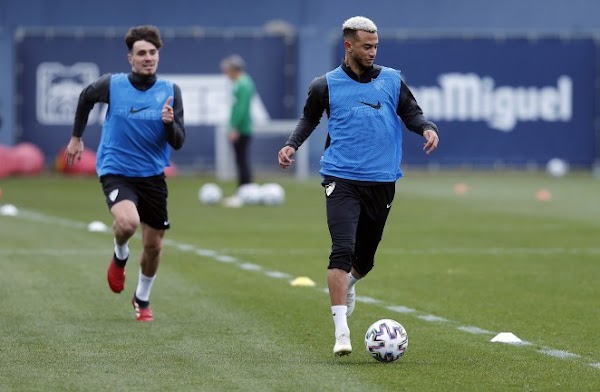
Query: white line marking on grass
point(278, 275)
point(432, 318)
point(474, 330)
point(52, 252)
point(224, 258)
point(250, 267)
point(206, 252)
point(400, 309)
point(367, 300)
point(494, 251)
point(559, 353)
point(38, 217)
point(186, 247)
point(432, 251)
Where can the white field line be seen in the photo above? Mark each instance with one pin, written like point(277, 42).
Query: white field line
point(247, 266)
point(493, 251)
point(52, 252)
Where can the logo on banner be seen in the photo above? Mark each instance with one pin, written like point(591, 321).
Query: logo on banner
point(57, 90)
point(470, 97)
point(207, 99)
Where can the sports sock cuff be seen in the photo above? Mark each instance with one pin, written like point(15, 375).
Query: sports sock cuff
point(141, 304)
point(338, 309)
point(120, 262)
point(122, 251)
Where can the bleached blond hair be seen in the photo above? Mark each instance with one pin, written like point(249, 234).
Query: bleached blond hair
point(359, 23)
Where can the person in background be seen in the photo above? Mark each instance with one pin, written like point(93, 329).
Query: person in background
point(144, 121)
point(240, 120)
point(361, 162)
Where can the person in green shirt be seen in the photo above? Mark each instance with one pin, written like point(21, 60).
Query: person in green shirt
point(240, 120)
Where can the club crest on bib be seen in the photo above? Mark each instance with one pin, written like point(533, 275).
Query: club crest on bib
point(329, 188)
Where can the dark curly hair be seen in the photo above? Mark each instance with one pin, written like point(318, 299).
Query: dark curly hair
point(143, 33)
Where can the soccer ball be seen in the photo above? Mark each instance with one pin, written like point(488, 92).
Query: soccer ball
point(386, 340)
point(249, 193)
point(210, 193)
point(272, 194)
point(557, 167)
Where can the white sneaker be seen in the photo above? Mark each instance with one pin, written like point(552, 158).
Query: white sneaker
point(342, 345)
point(351, 301)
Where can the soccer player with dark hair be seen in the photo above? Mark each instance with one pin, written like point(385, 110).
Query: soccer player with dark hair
point(143, 122)
point(361, 163)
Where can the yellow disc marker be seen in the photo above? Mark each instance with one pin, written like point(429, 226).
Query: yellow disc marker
point(302, 281)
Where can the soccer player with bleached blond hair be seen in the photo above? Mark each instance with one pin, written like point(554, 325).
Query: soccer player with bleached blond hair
point(365, 104)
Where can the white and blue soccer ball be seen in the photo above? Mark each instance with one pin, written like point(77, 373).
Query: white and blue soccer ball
point(557, 167)
point(272, 194)
point(250, 194)
point(210, 193)
point(386, 340)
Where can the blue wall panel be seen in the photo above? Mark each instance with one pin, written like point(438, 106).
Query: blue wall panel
point(55, 70)
point(510, 101)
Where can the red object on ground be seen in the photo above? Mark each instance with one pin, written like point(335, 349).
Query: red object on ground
point(27, 159)
point(5, 161)
point(84, 166)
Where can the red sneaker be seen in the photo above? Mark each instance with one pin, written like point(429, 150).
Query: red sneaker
point(142, 314)
point(116, 276)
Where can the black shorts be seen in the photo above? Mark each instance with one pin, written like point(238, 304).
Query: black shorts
point(149, 194)
point(356, 216)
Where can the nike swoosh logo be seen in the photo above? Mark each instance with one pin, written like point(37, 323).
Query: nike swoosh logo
point(373, 105)
point(132, 110)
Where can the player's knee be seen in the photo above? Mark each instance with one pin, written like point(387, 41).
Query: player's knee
point(126, 227)
point(152, 245)
point(341, 258)
point(153, 249)
point(363, 268)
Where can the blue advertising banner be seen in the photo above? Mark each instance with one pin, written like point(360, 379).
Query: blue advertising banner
point(55, 68)
point(510, 101)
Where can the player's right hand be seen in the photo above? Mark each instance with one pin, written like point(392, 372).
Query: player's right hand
point(74, 150)
point(285, 156)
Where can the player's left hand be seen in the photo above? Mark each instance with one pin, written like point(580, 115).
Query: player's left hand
point(431, 141)
point(167, 111)
point(233, 135)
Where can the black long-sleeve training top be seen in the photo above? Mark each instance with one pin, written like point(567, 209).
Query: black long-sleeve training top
point(318, 101)
point(98, 91)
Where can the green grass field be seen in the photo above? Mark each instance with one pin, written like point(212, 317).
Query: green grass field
point(455, 270)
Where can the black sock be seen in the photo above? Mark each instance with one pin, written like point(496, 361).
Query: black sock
point(141, 304)
point(119, 262)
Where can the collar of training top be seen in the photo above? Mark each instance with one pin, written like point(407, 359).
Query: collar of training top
point(366, 77)
point(142, 82)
